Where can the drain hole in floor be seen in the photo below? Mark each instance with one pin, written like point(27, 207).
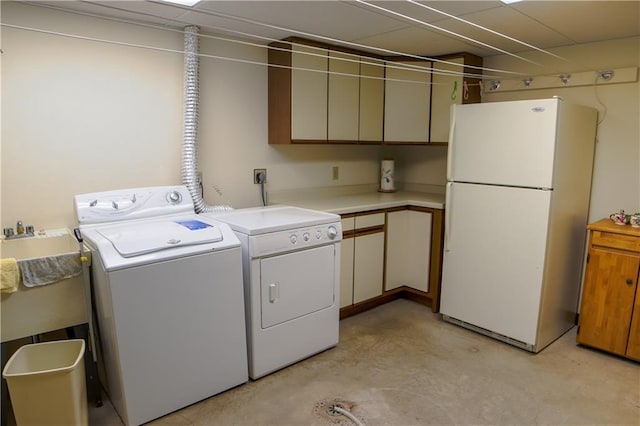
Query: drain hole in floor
point(325, 410)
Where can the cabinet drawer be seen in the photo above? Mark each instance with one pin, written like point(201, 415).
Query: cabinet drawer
point(369, 220)
point(348, 223)
point(618, 241)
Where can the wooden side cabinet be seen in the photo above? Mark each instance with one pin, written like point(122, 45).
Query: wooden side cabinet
point(610, 307)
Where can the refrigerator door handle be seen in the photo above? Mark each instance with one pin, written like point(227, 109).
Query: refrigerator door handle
point(447, 216)
point(452, 128)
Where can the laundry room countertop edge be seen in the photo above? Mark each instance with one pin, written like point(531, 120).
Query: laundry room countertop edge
point(359, 202)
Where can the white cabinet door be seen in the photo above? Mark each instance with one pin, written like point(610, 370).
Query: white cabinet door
point(408, 249)
point(407, 102)
point(371, 99)
point(346, 272)
point(344, 96)
point(309, 93)
point(368, 266)
point(446, 91)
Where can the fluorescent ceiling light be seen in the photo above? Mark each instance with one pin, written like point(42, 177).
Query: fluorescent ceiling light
point(509, 1)
point(182, 2)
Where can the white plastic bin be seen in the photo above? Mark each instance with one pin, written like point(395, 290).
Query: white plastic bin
point(47, 384)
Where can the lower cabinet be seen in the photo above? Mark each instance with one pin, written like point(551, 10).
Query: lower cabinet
point(368, 266)
point(362, 257)
point(388, 254)
point(346, 269)
point(408, 249)
point(610, 308)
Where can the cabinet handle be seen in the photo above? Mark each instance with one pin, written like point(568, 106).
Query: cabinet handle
point(629, 281)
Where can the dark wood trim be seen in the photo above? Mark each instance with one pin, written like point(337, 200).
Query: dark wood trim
point(399, 293)
point(279, 95)
point(437, 245)
point(348, 311)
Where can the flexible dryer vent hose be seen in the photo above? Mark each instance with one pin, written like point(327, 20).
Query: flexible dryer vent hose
point(190, 131)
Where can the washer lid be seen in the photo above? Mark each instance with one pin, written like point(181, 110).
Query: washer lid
point(135, 239)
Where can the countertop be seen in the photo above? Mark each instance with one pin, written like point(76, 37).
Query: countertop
point(359, 198)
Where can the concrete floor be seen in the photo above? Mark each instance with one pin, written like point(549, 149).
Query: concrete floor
point(399, 364)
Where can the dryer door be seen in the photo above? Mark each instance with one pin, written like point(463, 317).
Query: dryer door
point(296, 284)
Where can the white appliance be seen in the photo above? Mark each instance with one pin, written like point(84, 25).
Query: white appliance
point(291, 268)
point(168, 298)
point(519, 181)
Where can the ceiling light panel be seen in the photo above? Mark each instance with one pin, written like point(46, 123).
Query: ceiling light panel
point(189, 3)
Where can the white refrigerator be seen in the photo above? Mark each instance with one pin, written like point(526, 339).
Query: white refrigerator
point(517, 202)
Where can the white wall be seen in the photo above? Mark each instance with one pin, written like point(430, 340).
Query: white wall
point(616, 179)
point(83, 116)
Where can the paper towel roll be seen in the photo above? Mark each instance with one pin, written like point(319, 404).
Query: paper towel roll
point(386, 176)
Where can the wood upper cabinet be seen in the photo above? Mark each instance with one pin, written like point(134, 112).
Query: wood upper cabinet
point(344, 96)
point(449, 88)
point(309, 92)
point(610, 308)
point(320, 93)
point(407, 101)
point(371, 100)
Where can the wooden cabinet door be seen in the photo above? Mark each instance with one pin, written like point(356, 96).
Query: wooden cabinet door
point(607, 300)
point(346, 272)
point(309, 93)
point(633, 346)
point(407, 102)
point(408, 250)
point(344, 96)
point(371, 99)
point(368, 266)
point(443, 97)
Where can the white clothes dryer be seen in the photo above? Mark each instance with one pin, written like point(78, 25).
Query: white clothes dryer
point(291, 270)
point(168, 299)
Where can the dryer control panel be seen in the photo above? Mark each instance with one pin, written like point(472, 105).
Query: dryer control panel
point(294, 239)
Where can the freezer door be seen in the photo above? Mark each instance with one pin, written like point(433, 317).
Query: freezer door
point(495, 241)
point(504, 143)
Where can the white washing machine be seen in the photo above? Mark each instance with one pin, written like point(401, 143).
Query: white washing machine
point(291, 269)
point(168, 298)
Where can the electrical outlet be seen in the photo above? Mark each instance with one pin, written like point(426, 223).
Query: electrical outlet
point(199, 178)
point(259, 176)
point(335, 173)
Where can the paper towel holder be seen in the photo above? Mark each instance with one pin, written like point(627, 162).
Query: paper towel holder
point(387, 176)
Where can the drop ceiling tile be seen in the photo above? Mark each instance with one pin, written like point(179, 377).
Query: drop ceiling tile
point(130, 10)
point(511, 23)
point(586, 21)
point(419, 41)
point(231, 27)
point(334, 19)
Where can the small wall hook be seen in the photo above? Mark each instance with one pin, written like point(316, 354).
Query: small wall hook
point(606, 75)
point(564, 78)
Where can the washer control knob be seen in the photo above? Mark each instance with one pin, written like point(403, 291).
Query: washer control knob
point(332, 232)
point(174, 197)
point(293, 238)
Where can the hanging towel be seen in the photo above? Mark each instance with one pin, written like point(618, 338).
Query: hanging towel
point(48, 270)
point(10, 275)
